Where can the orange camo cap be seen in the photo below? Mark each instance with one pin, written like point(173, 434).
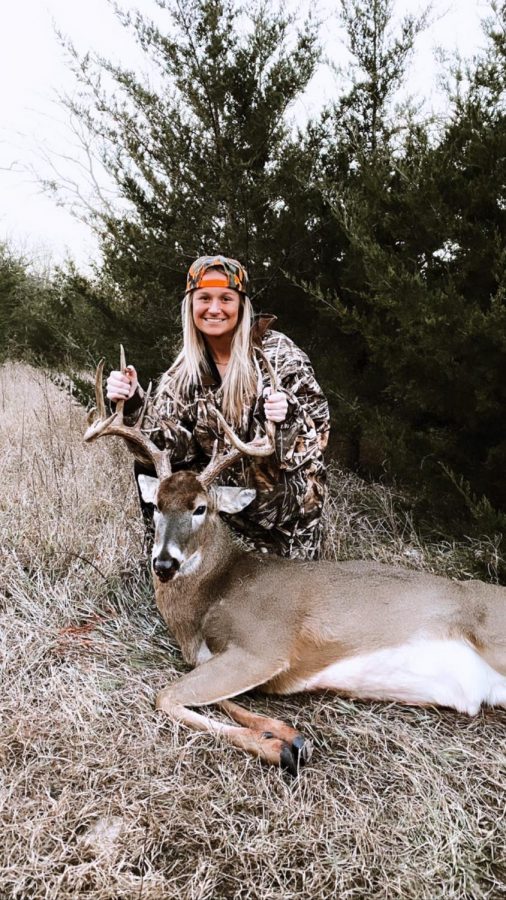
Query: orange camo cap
point(213, 278)
point(217, 271)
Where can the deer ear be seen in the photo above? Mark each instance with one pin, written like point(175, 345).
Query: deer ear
point(232, 499)
point(148, 487)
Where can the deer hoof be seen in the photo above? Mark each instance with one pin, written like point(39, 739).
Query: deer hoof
point(295, 755)
point(303, 748)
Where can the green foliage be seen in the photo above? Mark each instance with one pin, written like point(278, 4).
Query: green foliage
point(56, 318)
point(200, 162)
point(379, 60)
point(27, 326)
point(420, 291)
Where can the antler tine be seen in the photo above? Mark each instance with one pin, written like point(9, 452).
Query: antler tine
point(114, 425)
point(270, 427)
point(258, 447)
point(160, 458)
point(99, 395)
point(120, 404)
point(252, 448)
point(272, 373)
point(147, 397)
point(219, 462)
point(214, 454)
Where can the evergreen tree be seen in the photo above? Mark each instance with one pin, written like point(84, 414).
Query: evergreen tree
point(378, 240)
point(57, 317)
point(358, 138)
point(420, 296)
point(365, 117)
point(200, 160)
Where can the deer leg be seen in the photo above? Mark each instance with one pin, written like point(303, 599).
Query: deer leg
point(275, 727)
point(226, 675)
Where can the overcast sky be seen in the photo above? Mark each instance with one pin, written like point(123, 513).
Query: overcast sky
point(34, 132)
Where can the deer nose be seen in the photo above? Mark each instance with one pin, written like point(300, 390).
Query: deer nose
point(165, 569)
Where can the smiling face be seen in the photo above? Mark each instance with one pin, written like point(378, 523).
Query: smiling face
point(216, 311)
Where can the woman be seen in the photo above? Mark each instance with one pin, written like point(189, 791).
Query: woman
point(218, 369)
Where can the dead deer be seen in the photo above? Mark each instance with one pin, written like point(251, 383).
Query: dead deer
point(247, 620)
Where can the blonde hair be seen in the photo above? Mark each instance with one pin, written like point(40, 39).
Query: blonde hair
point(239, 383)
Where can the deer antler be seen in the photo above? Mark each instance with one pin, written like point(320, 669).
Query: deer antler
point(259, 446)
point(106, 425)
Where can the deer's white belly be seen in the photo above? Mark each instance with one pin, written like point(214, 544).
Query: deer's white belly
point(203, 654)
point(428, 671)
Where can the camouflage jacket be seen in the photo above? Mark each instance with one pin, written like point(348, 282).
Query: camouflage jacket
point(290, 485)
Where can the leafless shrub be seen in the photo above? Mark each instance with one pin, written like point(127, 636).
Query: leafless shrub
point(100, 797)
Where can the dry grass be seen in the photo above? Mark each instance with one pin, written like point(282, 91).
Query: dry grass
point(103, 798)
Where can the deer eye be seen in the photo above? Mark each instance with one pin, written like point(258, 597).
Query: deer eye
point(199, 511)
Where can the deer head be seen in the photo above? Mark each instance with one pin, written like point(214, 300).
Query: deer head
point(185, 513)
point(186, 504)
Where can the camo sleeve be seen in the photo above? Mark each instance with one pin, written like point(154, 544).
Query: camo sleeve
point(306, 427)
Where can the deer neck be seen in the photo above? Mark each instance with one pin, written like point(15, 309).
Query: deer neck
point(184, 602)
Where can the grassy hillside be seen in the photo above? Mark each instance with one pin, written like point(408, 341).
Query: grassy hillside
point(102, 797)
